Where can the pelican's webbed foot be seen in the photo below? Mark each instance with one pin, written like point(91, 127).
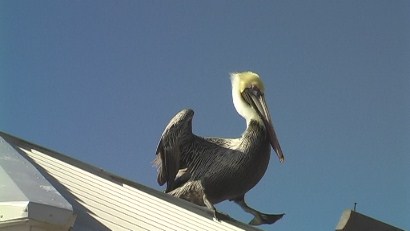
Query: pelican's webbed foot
point(260, 218)
point(263, 218)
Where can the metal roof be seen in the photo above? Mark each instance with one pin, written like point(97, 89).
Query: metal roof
point(96, 199)
point(354, 221)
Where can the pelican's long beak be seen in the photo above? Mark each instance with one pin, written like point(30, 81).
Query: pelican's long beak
point(257, 100)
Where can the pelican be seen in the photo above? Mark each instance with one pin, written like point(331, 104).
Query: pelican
point(206, 171)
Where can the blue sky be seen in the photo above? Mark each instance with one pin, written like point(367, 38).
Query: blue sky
point(99, 81)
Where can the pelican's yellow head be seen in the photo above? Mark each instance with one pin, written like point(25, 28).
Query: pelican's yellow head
point(241, 82)
point(246, 79)
point(249, 100)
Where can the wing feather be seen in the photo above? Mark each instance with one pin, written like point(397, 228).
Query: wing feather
point(168, 153)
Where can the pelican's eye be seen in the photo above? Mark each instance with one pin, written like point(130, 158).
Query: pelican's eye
point(255, 91)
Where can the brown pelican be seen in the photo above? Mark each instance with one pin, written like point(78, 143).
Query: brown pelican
point(206, 171)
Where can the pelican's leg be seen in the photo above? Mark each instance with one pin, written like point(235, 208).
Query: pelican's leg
point(217, 215)
point(260, 218)
point(210, 206)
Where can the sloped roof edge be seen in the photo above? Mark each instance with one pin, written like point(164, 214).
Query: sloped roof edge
point(352, 220)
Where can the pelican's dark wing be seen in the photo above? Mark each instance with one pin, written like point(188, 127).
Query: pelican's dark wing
point(168, 154)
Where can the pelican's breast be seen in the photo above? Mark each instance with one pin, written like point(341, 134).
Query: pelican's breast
point(235, 171)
